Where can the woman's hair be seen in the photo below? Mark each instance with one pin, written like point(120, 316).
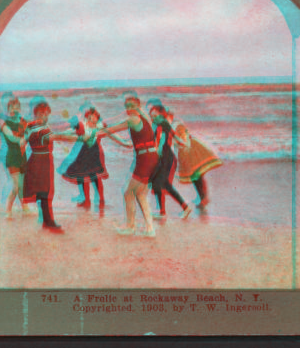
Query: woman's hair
point(85, 106)
point(5, 98)
point(181, 130)
point(130, 94)
point(153, 102)
point(12, 102)
point(92, 111)
point(37, 99)
point(131, 100)
point(131, 97)
point(41, 108)
point(161, 109)
point(170, 115)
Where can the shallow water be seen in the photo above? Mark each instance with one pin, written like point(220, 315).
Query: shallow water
point(239, 124)
point(251, 131)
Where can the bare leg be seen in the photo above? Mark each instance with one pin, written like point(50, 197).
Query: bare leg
point(142, 198)
point(129, 197)
point(13, 194)
point(20, 191)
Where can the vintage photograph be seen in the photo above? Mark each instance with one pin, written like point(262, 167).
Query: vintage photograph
point(149, 144)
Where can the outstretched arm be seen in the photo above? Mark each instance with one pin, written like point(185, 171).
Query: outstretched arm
point(69, 131)
point(117, 127)
point(63, 137)
point(104, 131)
point(121, 141)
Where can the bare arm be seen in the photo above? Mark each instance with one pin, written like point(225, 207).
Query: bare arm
point(181, 142)
point(108, 132)
point(63, 137)
point(11, 137)
point(68, 131)
point(117, 127)
point(121, 141)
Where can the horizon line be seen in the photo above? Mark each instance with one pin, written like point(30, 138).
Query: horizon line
point(144, 83)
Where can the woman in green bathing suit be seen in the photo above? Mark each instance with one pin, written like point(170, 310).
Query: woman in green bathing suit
point(13, 131)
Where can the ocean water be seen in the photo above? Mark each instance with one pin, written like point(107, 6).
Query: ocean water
point(239, 124)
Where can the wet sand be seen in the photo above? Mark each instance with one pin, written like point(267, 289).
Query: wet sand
point(242, 241)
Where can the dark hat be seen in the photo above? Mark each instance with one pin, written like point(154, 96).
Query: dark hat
point(153, 102)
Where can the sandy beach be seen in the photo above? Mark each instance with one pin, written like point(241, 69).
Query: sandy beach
point(242, 241)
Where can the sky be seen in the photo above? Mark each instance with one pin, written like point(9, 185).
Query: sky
point(79, 40)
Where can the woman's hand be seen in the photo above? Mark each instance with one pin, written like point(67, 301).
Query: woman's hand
point(22, 142)
point(127, 144)
point(121, 141)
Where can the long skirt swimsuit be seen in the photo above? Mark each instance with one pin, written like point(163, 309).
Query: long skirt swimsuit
point(89, 165)
point(39, 172)
point(15, 156)
point(146, 157)
point(195, 161)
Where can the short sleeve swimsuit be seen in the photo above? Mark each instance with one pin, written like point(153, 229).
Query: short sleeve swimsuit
point(15, 156)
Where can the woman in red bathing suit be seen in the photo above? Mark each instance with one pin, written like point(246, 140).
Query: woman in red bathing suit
point(145, 151)
point(39, 173)
point(139, 126)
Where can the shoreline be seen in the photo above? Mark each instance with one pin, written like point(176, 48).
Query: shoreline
point(238, 190)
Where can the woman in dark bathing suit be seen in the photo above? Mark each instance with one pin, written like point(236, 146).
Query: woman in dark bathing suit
point(162, 180)
point(89, 165)
point(13, 130)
